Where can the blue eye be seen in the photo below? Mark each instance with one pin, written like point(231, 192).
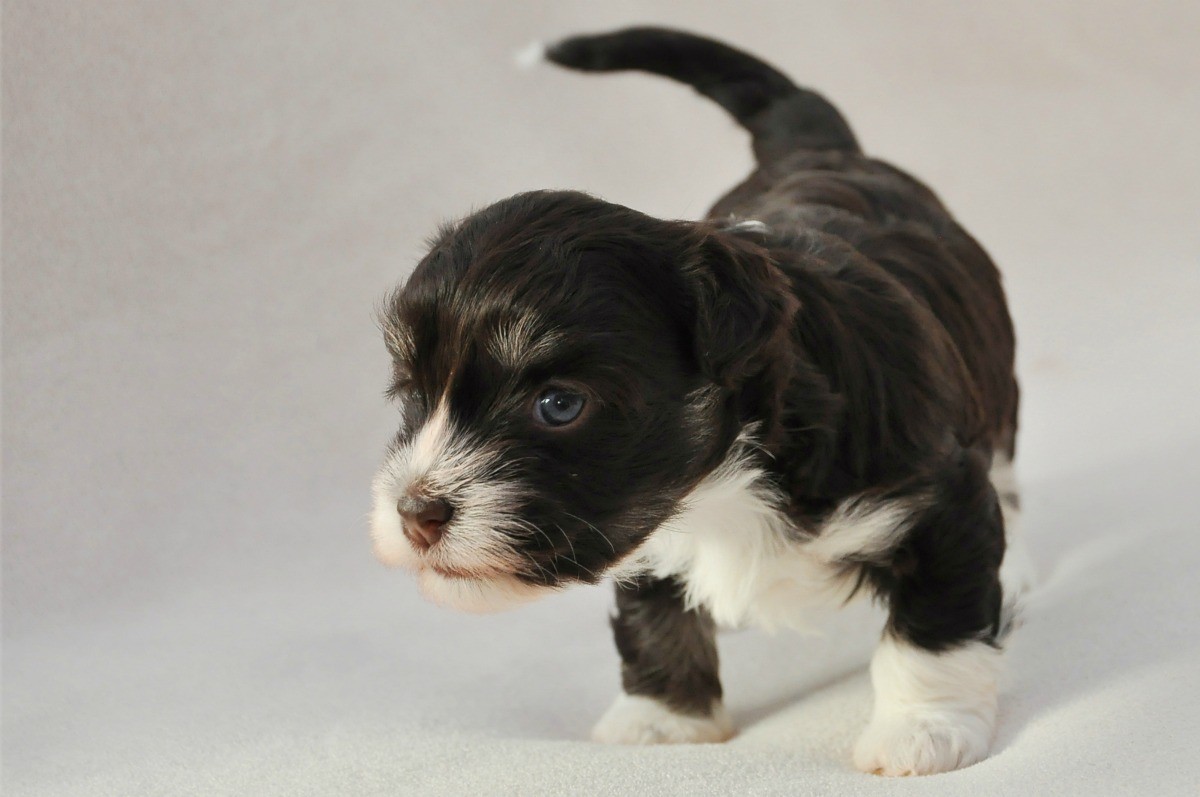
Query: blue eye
point(558, 407)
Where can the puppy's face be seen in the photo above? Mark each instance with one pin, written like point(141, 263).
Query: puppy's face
point(555, 373)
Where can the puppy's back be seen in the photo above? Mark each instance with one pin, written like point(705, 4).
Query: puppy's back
point(813, 179)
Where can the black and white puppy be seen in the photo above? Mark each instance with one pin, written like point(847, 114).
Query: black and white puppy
point(806, 396)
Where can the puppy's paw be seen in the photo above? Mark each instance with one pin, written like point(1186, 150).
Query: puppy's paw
point(634, 719)
point(922, 743)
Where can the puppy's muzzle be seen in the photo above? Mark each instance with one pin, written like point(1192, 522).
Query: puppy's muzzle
point(424, 520)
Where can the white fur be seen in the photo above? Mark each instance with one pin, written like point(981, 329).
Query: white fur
point(430, 444)
point(399, 339)
point(934, 712)
point(741, 558)
point(520, 342)
point(634, 719)
point(750, 225)
point(398, 475)
point(530, 55)
point(860, 529)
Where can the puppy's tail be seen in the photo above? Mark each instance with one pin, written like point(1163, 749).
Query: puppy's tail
point(781, 116)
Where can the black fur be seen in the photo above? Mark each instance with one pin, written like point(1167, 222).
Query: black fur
point(864, 336)
point(941, 584)
point(667, 652)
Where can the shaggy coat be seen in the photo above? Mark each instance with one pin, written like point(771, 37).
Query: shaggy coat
point(805, 396)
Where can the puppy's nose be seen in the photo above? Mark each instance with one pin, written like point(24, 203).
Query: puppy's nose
point(424, 521)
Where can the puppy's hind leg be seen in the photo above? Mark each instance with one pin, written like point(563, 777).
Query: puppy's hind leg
point(671, 691)
point(935, 670)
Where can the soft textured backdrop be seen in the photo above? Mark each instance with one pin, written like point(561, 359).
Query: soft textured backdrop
point(202, 204)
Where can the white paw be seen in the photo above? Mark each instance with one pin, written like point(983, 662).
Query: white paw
point(633, 719)
point(922, 742)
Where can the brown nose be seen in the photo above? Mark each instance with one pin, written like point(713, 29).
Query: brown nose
point(424, 521)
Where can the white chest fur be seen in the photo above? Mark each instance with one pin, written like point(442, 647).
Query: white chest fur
point(741, 558)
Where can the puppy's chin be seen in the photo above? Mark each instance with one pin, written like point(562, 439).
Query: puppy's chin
point(481, 595)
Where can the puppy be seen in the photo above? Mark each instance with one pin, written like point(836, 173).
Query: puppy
point(806, 396)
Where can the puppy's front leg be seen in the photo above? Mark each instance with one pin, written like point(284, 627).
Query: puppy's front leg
point(671, 692)
point(935, 670)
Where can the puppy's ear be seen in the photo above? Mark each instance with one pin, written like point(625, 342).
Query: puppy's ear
point(743, 317)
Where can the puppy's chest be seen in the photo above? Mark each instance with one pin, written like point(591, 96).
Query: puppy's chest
point(739, 557)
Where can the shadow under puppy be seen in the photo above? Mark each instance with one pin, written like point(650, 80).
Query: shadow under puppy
point(806, 396)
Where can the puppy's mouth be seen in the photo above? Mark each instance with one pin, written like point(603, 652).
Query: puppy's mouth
point(475, 572)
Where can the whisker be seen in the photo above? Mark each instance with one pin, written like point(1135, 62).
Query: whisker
point(543, 571)
point(572, 558)
point(594, 528)
point(527, 526)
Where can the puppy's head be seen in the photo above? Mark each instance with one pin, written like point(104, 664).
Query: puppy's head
point(567, 370)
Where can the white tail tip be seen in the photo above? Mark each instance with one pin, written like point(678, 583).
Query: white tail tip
point(531, 55)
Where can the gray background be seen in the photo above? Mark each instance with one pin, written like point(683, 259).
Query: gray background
point(203, 203)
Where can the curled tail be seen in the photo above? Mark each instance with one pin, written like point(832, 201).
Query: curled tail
point(781, 116)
